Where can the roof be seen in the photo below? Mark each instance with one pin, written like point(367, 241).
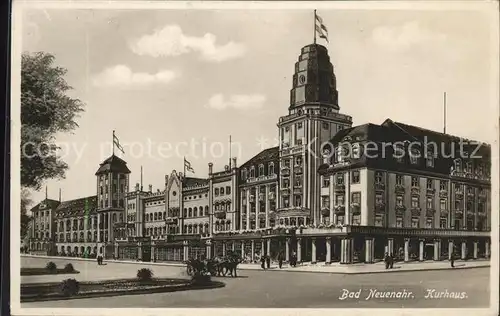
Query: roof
point(264, 156)
point(48, 203)
point(79, 206)
point(191, 182)
point(113, 164)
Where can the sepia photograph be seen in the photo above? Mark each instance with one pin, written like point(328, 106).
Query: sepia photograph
point(284, 156)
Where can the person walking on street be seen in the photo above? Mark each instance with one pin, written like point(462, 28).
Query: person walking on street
point(391, 261)
point(386, 260)
point(263, 262)
point(268, 262)
point(452, 260)
point(280, 259)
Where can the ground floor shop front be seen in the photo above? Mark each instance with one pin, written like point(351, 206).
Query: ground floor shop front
point(347, 245)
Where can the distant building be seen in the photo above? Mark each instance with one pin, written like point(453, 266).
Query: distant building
point(322, 194)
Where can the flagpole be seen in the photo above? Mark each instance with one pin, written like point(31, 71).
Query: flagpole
point(113, 142)
point(314, 26)
point(229, 151)
point(184, 162)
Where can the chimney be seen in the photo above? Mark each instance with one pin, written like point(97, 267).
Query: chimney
point(137, 186)
point(234, 163)
point(150, 188)
point(210, 168)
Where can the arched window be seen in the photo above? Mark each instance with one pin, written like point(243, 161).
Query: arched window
point(190, 212)
point(121, 218)
point(190, 229)
point(206, 228)
point(244, 174)
point(252, 172)
point(271, 168)
point(164, 215)
point(201, 211)
point(261, 170)
point(195, 212)
point(228, 225)
point(195, 229)
point(185, 229)
point(156, 216)
point(81, 237)
point(114, 218)
point(89, 236)
point(155, 232)
point(185, 213)
point(206, 210)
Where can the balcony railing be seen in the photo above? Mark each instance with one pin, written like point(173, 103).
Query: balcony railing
point(297, 190)
point(298, 169)
point(285, 191)
point(380, 207)
point(459, 194)
point(171, 220)
point(261, 196)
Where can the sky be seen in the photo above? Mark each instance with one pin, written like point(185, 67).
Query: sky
point(165, 79)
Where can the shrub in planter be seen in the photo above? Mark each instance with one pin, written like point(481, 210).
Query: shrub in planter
point(69, 287)
point(51, 266)
point(69, 268)
point(144, 275)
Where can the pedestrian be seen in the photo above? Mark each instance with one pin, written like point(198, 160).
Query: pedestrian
point(263, 262)
point(452, 260)
point(391, 261)
point(268, 262)
point(386, 260)
point(280, 259)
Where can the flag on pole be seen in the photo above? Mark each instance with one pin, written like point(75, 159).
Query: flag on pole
point(321, 28)
point(116, 142)
point(187, 166)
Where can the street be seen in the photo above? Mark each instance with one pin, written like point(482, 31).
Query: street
point(274, 289)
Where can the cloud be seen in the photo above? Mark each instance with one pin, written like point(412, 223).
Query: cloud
point(236, 101)
point(170, 41)
point(405, 36)
point(123, 76)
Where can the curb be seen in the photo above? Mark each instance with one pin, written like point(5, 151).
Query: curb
point(214, 285)
point(272, 269)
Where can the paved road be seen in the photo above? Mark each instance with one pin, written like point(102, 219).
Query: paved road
point(275, 289)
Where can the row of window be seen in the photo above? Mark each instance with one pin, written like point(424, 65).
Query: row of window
point(261, 172)
point(221, 191)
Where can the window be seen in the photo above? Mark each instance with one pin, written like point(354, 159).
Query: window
point(297, 200)
point(356, 151)
point(399, 153)
point(443, 185)
point(399, 221)
point(325, 125)
point(458, 165)
point(244, 174)
point(428, 223)
point(286, 183)
point(443, 222)
point(261, 170)
point(429, 158)
point(430, 184)
point(355, 177)
point(340, 179)
point(379, 220)
point(216, 191)
point(379, 198)
point(271, 168)
point(221, 191)
point(356, 197)
point(286, 163)
point(356, 220)
point(228, 190)
point(458, 205)
point(399, 200)
point(414, 202)
point(326, 181)
point(339, 200)
point(340, 154)
point(298, 161)
point(399, 179)
point(252, 172)
point(379, 177)
point(458, 188)
point(430, 203)
point(414, 156)
point(414, 182)
point(415, 222)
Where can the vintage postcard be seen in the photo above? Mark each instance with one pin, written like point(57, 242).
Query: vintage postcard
point(244, 157)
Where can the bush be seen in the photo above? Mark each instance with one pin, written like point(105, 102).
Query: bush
point(51, 266)
point(69, 287)
point(69, 268)
point(144, 275)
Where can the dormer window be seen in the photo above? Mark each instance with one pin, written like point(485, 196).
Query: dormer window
point(356, 151)
point(261, 170)
point(399, 153)
point(244, 174)
point(271, 168)
point(340, 154)
point(429, 158)
point(414, 156)
point(252, 172)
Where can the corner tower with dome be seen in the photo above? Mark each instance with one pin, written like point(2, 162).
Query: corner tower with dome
point(313, 119)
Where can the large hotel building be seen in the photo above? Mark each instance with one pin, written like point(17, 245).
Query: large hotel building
point(330, 192)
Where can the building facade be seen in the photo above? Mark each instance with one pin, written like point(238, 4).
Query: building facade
point(329, 192)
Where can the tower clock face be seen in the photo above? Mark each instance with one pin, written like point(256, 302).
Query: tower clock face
point(302, 79)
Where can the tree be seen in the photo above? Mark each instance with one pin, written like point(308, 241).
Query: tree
point(25, 218)
point(46, 109)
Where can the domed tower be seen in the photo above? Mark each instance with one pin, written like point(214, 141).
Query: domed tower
point(112, 186)
point(313, 119)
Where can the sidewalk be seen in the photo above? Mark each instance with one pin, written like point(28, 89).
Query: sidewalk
point(320, 267)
